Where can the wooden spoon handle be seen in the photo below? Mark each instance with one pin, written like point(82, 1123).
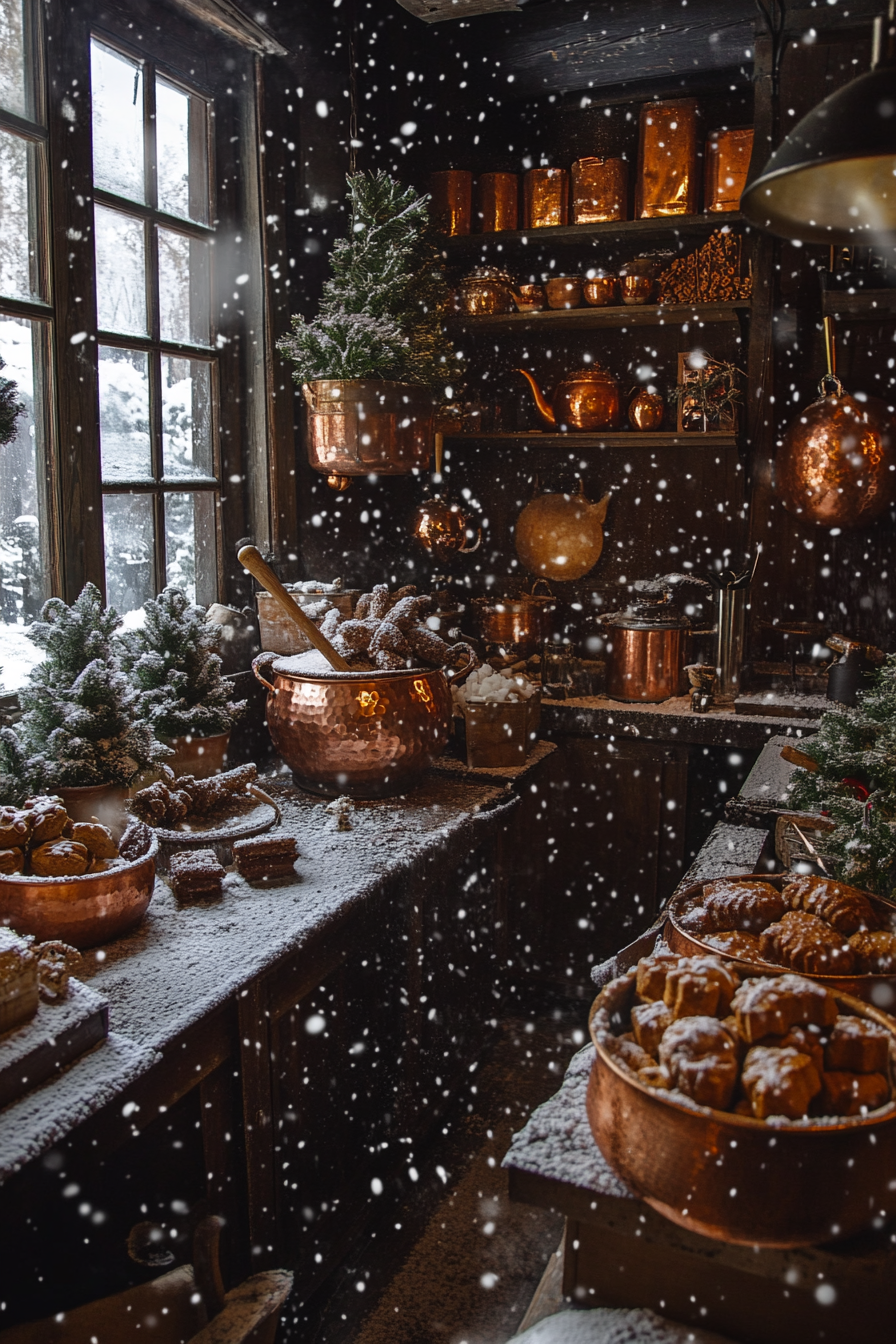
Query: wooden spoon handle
point(251, 558)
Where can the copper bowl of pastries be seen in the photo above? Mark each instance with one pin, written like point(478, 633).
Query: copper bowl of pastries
point(842, 937)
point(52, 895)
point(750, 1109)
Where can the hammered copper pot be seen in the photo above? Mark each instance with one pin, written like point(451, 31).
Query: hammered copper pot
point(362, 425)
point(487, 290)
point(835, 465)
point(365, 734)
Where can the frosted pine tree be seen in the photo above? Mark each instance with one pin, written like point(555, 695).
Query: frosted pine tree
point(80, 722)
point(174, 664)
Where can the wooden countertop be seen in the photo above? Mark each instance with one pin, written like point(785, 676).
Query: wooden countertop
point(670, 721)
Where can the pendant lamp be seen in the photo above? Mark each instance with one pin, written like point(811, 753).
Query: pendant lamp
point(833, 178)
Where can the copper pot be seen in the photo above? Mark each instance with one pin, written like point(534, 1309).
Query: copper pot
point(358, 426)
point(646, 410)
point(601, 290)
point(486, 290)
point(365, 734)
point(644, 654)
point(498, 202)
point(637, 280)
point(835, 465)
point(82, 911)
point(529, 298)
point(519, 623)
point(587, 400)
point(441, 526)
point(564, 291)
point(732, 1177)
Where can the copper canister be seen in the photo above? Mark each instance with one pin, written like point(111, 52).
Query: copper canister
point(725, 168)
point(452, 200)
point(599, 190)
point(498, 202)
point(545, 198)
point(667, 160)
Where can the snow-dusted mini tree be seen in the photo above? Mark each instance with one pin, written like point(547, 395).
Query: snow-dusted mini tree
point(10, 407)
point(80, 723)
point(173, 662)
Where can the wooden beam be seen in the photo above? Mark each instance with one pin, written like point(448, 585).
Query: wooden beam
point(227, 18)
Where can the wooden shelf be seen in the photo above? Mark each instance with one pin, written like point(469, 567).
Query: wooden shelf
point(684, 226)
point(617, 439)
point(864, 304)
point(587, 319)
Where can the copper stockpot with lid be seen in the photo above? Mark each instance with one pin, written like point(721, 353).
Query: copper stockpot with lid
point(644, 645)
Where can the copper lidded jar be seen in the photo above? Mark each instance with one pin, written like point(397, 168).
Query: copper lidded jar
point(486, 290)
point(667, 159)
point(498, 202)
point(599, 190)
point(545, 198)
point(637, 280)
point(644, 651)
point(725, 168)
point(452, 200)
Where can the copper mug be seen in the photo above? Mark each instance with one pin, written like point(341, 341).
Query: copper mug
point(564, 291)
point(601, 290)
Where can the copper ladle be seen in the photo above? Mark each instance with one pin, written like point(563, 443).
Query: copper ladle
point(252, 560)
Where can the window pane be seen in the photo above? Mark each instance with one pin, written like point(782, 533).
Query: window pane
point(24, 578)
point(117, 101)
point(125, 450)
point(181, 152)
point(128, 530)
point(120, 272)
point(186, 417)
point(18, 269)
point(183, 288)
point(12, 57)
point(190, 540)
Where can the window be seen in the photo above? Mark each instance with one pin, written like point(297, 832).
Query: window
point(158, 370)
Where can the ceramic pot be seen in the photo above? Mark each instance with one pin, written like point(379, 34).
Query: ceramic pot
point(201, 757)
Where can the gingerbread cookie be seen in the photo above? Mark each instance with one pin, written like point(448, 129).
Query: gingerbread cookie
point(60, 858)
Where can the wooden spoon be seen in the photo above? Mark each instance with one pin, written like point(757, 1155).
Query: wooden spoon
point(252, 560)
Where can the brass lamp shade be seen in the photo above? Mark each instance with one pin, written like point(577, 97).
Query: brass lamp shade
point(833, 178)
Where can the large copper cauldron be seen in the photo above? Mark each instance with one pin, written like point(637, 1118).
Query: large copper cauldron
point(733, 1177)
point(365, 734)
point(361, 425)
point(835, 465)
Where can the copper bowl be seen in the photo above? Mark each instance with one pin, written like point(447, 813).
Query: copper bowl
point(365, 734)
point(877, 989)
point(529, 298)
point(732, 1177)
point(82, 911)
point(564, 291)
point(601, 290)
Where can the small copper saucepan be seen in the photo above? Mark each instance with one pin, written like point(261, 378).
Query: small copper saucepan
point(520, 623)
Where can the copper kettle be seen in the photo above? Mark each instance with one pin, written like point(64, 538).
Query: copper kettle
point(836, 463)
point(441, 526)
point(587, 400)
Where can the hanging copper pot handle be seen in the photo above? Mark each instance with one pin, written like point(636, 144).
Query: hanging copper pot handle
point(452, 677)
point(264, 661)
point(468, 550)
point(547, 587)
point(824, 388)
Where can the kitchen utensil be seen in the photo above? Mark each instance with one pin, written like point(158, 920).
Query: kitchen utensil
point(358, 426)
point(519, 624)
point(452, 200)
point(601, 289)
point(731, 588)
point(564, 291)
point(587, 400)
point(252, 560)
point(442, 526)
point(561, 536)
point(529, 298)
point(598, 190)
point(545, 198)
point(486, 290)
point(646, 410)
point(498, 202)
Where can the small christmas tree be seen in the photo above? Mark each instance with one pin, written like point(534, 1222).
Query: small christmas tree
point(173, 662)
point(80, 721)
point(10, 407)
point(382, 309)
point(855, 784)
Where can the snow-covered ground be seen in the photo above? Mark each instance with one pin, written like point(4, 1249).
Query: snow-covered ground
point(17, 656)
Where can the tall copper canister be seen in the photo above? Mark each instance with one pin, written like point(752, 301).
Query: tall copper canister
point(644, 651)
point(498, 203)
point(545, 198)
point(667, 159)
point(452, 200)
point(599, 190)
point(725, 168)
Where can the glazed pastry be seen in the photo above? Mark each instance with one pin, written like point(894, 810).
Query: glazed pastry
point(655, 1075)
point(15, 827)
point(747, 905)
point(807, 1040)
point(806, 943)
point(652, 972)
point(736, 943)
point(770, 1007)
point(701, 1060)
point(853, 1093)
point(11, 861)
point(844, 908)
point(875, 952)
point(779, 1081)
point(60, 858)
point(49, 818)
point(699, 986)
point(857, 1046)
point(96, 838)
point(195, 874)
point(628, 1052)
point(649, 1021)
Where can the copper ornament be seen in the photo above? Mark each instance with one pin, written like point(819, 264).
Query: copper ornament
point(440, 525)
point(561, 537)
point(452, 200)
point(726, 165)
point(545, 198)
point(498, 201)
point(646, 410)
point(598, 190)
point(835, 465)
point(587, 400)
point(667, 160)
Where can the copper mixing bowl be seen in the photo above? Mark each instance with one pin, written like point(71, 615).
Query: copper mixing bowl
point(732, 1177)
point(365, 734)
point(82, 911)
point(877, 989)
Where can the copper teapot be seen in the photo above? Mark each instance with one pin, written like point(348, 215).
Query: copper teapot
point(487, 290)
point(587, 400)
point(441, 526)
